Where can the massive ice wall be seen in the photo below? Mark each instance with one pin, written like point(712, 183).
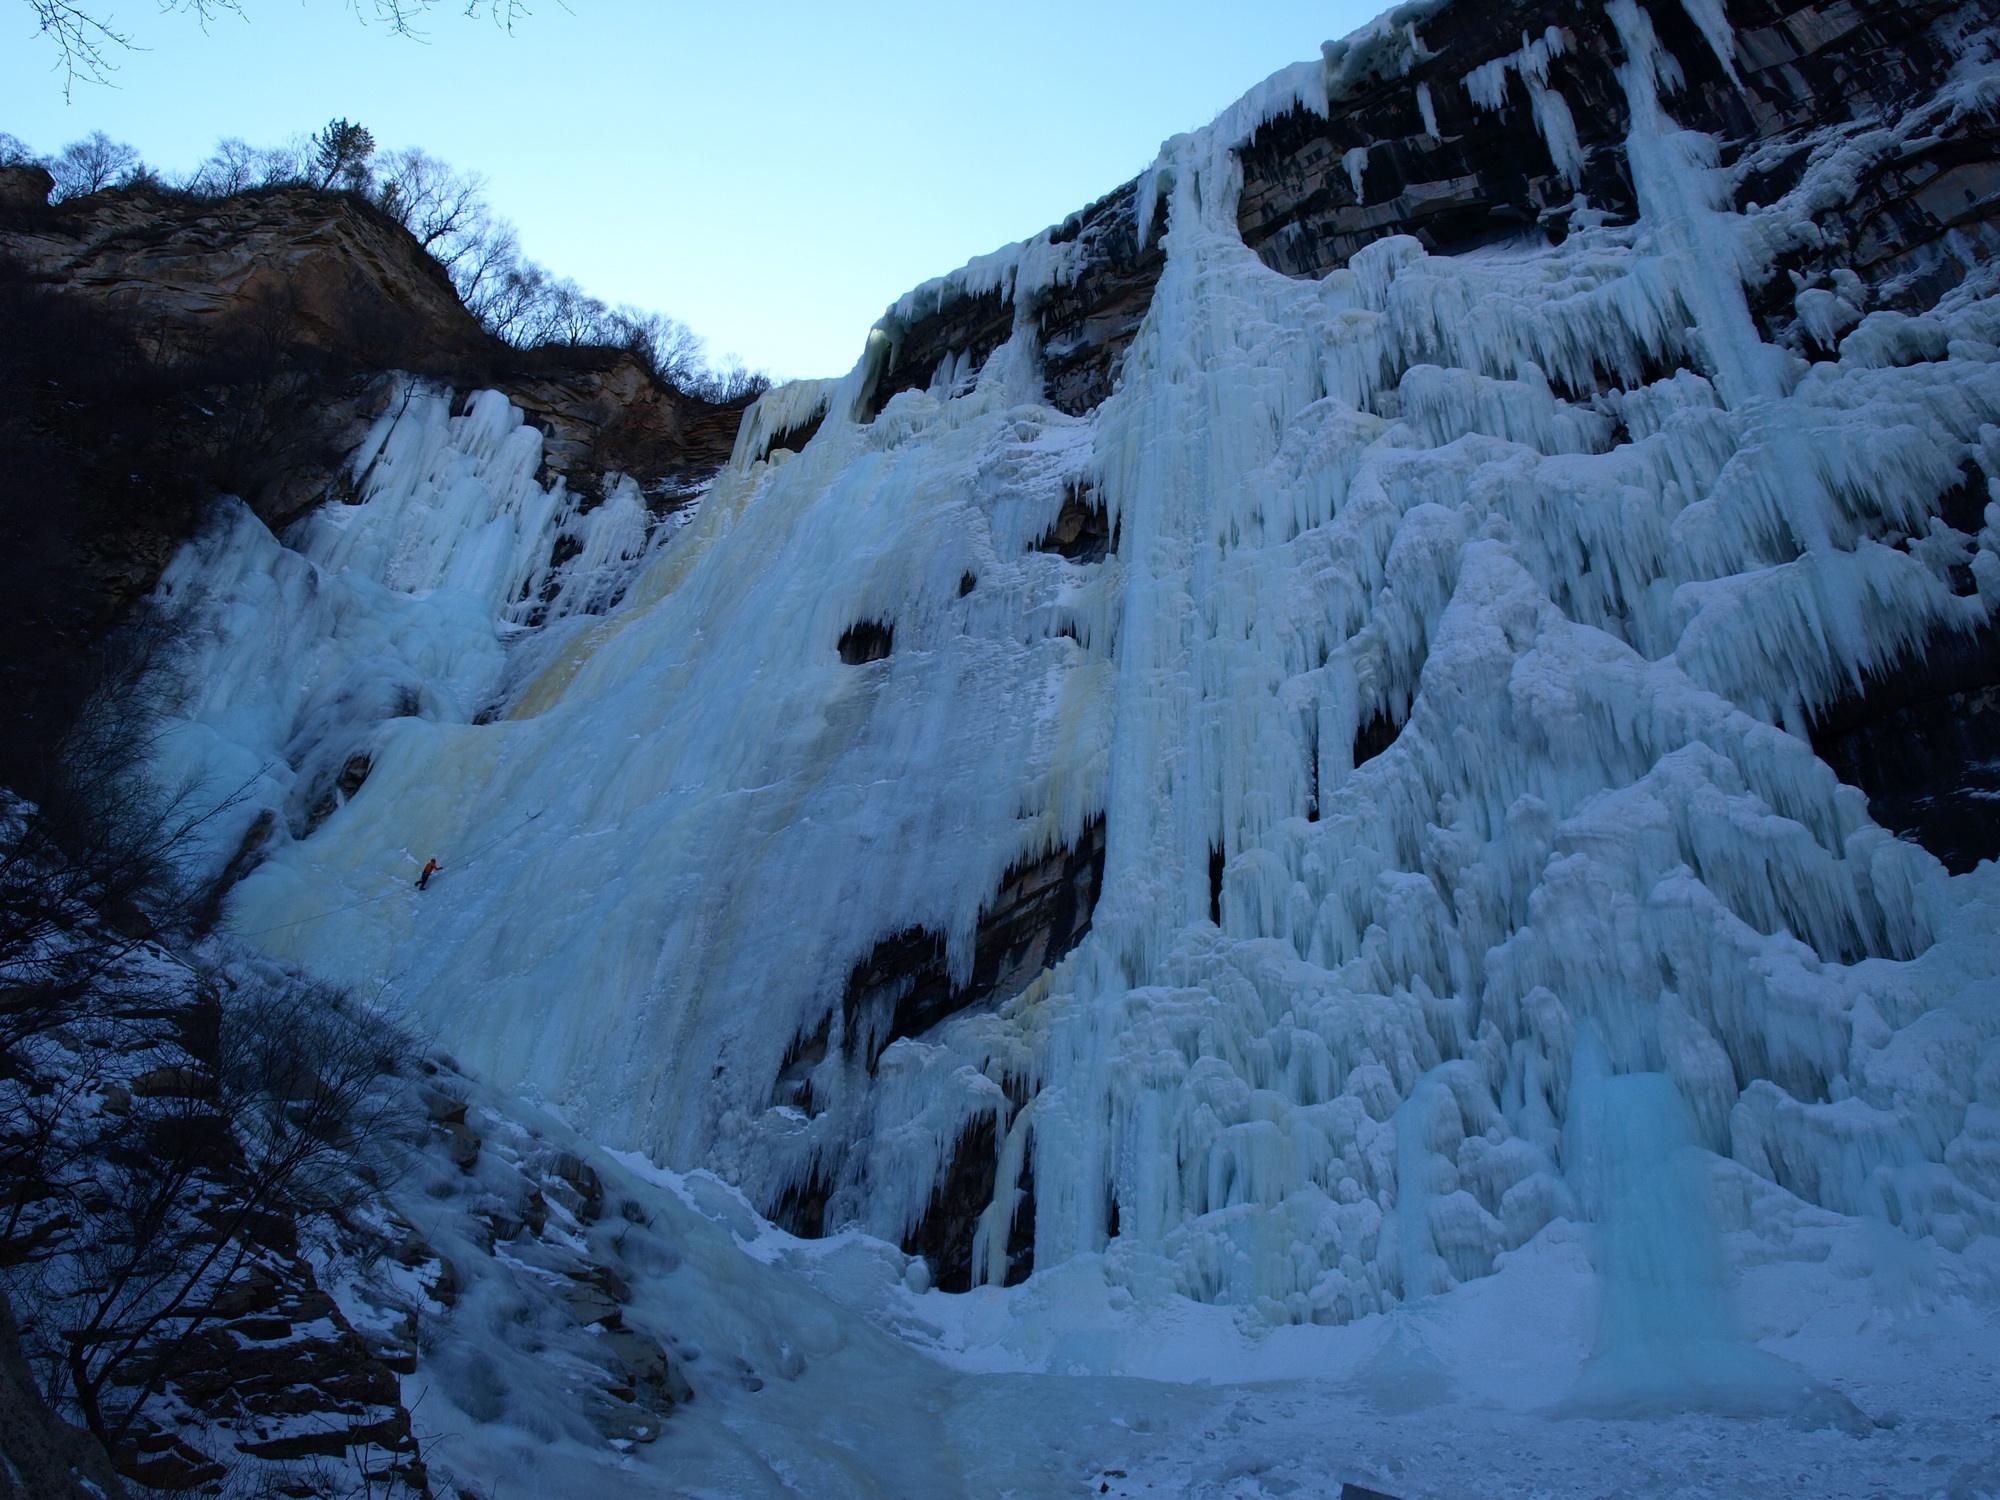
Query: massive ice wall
point(1442, 691)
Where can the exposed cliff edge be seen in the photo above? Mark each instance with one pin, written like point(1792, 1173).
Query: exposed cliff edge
point(1488, 126)
point(164, 348)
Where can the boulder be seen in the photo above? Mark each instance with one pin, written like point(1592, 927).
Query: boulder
point(25, 186)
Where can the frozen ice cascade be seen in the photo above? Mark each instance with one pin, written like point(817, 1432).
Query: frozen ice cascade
point(1597, 867)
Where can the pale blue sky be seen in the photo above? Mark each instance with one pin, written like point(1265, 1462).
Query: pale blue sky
point(774, 174)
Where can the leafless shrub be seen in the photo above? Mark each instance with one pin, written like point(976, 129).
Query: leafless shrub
point(275, 1097)
point(91, 165)
point(87, 876)
point(154, 1125)
point(104, 835)
point(443, 208)
point(233, 166)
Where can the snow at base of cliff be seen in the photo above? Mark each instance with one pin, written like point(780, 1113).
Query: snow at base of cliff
point(820, 1367)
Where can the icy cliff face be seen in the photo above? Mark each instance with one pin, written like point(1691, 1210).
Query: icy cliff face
point(1443, 691)
point(403, 604)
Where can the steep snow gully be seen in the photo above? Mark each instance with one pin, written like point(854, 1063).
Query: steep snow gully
point(1472, 899)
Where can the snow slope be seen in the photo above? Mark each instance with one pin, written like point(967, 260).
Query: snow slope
point(818, 1371)
point(1596, 940)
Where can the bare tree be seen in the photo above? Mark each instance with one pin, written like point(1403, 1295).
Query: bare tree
point(287, 164)
point(86, 875)
point(14, 151)
point(666, 346)
point(124, 1222)
point(236, 166)
point(486, 255)
point(403, 16)
point(497, 286)
point(445, 209)
point(730, 381)
point(90, 165)
point(85, 880)
point(104, 833)
point(85, 41)
point(573, 316)
point(279, 1098)
point(231, 167)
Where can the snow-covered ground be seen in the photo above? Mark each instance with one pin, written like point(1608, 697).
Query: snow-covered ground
point(1585, 1064)
point(1867, 1368)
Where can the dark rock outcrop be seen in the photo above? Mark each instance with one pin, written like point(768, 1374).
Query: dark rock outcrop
point(1487, 174)
point(973, 326)
point(1040, 911)
point(866, 641)
point(348, 280)
point(904, 988)
point(601, 411)
point(1082, 532)
point(1087, 324)
point(793, 439)
point(328, 277)
point(25, 188)
point(1083, 326)
point(1919, 738)
point(45, 1457)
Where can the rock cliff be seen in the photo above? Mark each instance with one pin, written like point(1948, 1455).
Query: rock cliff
point(166, 348)
point(1500, 121)
point(1390, 634)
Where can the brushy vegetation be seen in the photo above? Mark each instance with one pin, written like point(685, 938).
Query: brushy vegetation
point(447, 212)
point(162, 1121)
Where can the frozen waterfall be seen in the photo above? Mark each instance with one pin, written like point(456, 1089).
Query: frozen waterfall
point(1470, 652)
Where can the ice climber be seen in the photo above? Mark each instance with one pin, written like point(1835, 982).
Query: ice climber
point(424, 880)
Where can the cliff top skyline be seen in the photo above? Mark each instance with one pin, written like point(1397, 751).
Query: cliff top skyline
point(774, 177)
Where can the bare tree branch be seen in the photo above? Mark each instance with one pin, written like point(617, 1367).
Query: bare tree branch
point(88, 43)
point(84, 43)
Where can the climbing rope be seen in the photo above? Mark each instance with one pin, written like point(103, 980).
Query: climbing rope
point(504, 833)
point(316, 916)
point(383, 896)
